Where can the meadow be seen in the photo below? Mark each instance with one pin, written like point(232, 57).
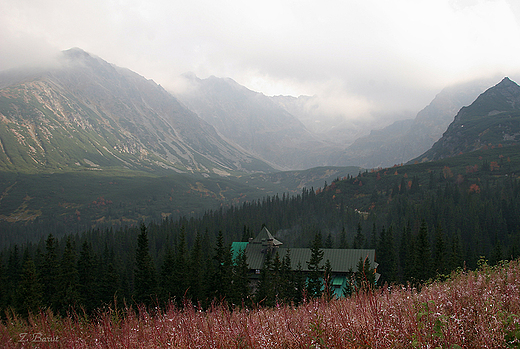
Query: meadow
point(471, 309)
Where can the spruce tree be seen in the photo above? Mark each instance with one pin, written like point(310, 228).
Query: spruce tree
point(299, 285)
point(328, 242)
point(68, 295)
point(265, 291)
point(29, 292)
point(343, 243)
point(328, 290)
point(196, 270)
point(314, 282)
point(4, 287)
point(167, 280)
point(13, 274)
point(144, 273)
point(241, 291)
point(49, 273)
point(88, 287)
point(439, 252)
point(359, 238)
point(423, 257)
point(287, 279)
point(223, 269)
point(180, 270)
point(365, 276)
point(386, 255)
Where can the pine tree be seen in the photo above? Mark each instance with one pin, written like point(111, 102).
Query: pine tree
point(13, 274)
point(328, 290)
point(359, 238)
point(287, 279)
point(314, 282)
point(68, 295)
point(29, 291)
point(144, 273)
point(299, 285)
point(265, 291)
point(223, 269)
point(196, 270)
point(241, 291)
point(49, 273)
point(180, 270)
point(343, 243)
point(88, 287)
point(167, 280)
point(439, 252)
point(386, 255)
point(328, 242)
point(423, 258)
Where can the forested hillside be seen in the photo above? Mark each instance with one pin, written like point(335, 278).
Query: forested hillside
point(424, 220)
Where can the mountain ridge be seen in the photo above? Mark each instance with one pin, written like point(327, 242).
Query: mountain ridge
point(492, 120)
point(115, 116)
point(255, 122)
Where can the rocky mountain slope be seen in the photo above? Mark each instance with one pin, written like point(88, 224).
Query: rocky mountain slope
point(84, 113)
point(492, 120)
point(256, 123)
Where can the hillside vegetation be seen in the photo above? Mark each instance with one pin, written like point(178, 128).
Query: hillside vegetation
point(478, 309)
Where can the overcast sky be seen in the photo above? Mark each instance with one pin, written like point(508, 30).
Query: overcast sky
point(365, 56)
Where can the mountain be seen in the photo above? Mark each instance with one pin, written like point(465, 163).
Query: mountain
point(255, 122)
point(84, 113)
point(406, 139)
point(492, 120)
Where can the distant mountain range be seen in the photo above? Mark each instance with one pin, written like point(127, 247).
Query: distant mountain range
point(256, 123)
point(282, 129)
point(83, 113)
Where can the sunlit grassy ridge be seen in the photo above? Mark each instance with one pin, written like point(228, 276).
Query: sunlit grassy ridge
point(471, 310)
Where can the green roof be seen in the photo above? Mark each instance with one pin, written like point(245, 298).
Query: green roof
point(236, 247)
point(341, 260)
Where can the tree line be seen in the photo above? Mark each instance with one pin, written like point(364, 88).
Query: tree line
point(80, 280)
point(421, 226)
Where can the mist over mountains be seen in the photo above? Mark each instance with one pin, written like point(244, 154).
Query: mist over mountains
point(283, 130)
point(85, 113)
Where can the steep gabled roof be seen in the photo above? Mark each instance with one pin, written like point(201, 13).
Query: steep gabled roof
point(265, 236)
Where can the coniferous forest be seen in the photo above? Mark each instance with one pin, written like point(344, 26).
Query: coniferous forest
point(423, 220)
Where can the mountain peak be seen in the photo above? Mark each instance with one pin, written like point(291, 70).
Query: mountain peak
point(491, 120)
point(76, 52)
point(506, 81)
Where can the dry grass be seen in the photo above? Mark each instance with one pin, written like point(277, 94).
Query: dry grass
point(471, 310)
